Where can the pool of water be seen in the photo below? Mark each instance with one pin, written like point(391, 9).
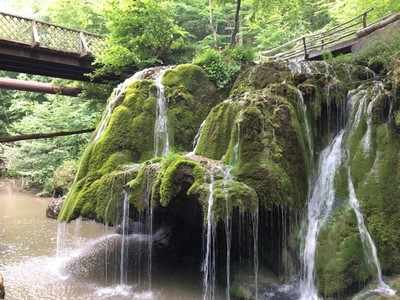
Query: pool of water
point(32, 269)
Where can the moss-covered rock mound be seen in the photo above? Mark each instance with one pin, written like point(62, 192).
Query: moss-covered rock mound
point(129, 137)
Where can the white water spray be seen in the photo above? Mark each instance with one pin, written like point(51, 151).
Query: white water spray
point(368, 243)
point(124, 246)
point(161, 138)
point(319, 208)
point(209, 258)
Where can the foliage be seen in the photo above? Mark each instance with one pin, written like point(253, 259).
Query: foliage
point(378, 54)
point(37, 160)
point(222, 66)
point(80, 14)
point(344, 9)
point(142, 33)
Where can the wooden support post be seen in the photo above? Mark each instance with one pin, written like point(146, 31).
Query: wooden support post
point(84, 46)
point(35, 35)
point(305, 48)
point(38, 87)
point(364, 20)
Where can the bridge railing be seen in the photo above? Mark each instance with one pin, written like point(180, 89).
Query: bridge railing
point(41, 34)
point(303, 46)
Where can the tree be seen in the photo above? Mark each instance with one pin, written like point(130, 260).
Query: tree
point(237, 23)
point(80, 14)
point(141, 33)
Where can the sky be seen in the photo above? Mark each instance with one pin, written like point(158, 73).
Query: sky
point(20, 7)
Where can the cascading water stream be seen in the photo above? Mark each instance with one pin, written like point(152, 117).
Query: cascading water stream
point(307, 127)
point(319, 208)
point(377, 91)
point(228, 233)
point(161, 138)
point(368, 243)
point(255, 221)
point(197, 137)
point(124, 248)
point(61, 236)
point(209, 258)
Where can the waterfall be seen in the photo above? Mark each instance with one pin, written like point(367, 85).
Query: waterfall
point(209, 258)
point(228, 233)
point(377, 90)
point(197, 137)
point(255, 222)
point(319, 208)
point(307, 127)
point(149, 186)
point(161, 138)
point(61, 236)
point(368, 243)
point(124, 249)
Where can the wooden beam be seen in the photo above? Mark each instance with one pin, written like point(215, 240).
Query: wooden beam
point(37, 136)
point(38, 87)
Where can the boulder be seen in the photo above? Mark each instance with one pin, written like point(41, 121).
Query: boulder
point(2, 288)
point(54, 207)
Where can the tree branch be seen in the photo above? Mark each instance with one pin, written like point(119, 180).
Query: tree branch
point(36, 136)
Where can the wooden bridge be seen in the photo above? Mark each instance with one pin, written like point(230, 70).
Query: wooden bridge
point(41, 48)
point(340, 39)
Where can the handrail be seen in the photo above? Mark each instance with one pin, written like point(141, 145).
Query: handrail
point(35, 33)
point(50, 24)
point(318, 40)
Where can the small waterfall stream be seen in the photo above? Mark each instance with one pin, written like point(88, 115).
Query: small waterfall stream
point(319, 208)
point(368, 243)
point(161, 138)
point(377, 90)
point(209, 247)
point(124, 248)
point(307, 126)
point(197, 137)
point(228, 233)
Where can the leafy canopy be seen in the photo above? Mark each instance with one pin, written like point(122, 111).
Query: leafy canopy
point(141, 33)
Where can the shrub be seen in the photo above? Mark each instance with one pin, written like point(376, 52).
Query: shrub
point(222, 66)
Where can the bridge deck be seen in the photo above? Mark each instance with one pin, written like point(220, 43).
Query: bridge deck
point(337, 40)
point(36, 47)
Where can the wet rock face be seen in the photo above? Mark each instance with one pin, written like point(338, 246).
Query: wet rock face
point(54, 207)
point(2, 288)
point(132, 227)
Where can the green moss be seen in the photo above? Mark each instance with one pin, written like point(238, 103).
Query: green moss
point(340, 262)
point(170, 181)
point(216, 133)
point(375, 173)
point(378, 193)
point(191, 95)
point(341, 183)
point(129, 134)
point(260, 76)
point(97, 198)
point(141, 187)
point(260, 134)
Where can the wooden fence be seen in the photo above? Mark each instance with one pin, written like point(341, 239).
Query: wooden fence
point(21, 30)
point(303, 46)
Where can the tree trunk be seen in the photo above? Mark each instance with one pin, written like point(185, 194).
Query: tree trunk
point(36, 136)
point(237, 23)
point(213, 29)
